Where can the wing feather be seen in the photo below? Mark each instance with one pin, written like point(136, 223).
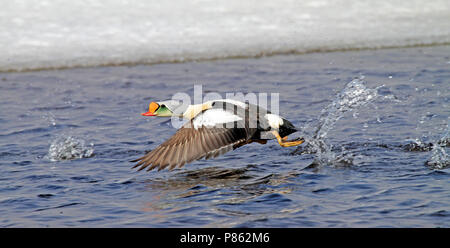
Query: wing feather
point(191, 142)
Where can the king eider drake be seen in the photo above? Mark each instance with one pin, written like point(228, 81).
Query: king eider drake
point(213, 128)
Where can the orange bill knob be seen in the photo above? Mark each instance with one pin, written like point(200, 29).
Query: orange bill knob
point(151, 109)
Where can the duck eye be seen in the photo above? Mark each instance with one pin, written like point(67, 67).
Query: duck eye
point(163, 106)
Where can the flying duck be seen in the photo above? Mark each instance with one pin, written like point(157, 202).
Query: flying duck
point(212, 129)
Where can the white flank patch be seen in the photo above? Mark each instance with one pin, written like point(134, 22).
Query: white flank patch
point(275, 121)
point(212, 117)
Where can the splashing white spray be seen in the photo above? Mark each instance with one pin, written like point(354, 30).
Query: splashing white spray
point(439, 158)
point(353, 96)
point(67, 148)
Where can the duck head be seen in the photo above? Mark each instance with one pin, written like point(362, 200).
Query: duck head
point(166, 108)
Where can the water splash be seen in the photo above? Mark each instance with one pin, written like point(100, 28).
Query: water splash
point(353, 96)
point(67, 148)
point(50, 118)
point(440, 159)
point(417, 145)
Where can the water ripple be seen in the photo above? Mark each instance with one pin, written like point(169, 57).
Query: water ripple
point(375, 164)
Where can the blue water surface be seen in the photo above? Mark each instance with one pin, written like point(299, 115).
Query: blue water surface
point(382, 171)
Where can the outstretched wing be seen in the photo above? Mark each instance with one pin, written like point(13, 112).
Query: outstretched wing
point(199, 138)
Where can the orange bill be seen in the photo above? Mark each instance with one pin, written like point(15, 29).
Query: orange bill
point(151, 109)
